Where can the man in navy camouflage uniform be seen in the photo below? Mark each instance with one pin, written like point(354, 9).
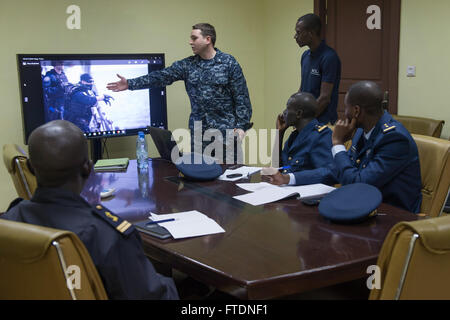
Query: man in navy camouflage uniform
point(383, 153)
point(58, 155)
point(309, 145)
point(214, 83)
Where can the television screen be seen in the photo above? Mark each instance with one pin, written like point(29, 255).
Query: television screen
point(73, 88)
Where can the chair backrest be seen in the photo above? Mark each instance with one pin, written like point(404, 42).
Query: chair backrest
point(434, 155)
point(414, 261)
point(16, 163)
point(43, 263)
point(424, 126)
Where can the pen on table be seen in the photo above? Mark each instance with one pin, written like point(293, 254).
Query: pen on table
point(284, 168)
point(160, 221)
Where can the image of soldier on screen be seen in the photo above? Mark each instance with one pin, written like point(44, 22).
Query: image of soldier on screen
point(82, 108)
point(53, 84)
point(72, 91)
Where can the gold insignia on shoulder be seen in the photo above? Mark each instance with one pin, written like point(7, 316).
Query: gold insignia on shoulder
point(123, 226)
point(320, 129)
point(388, 129)
point(373, 213)
point(113, 217)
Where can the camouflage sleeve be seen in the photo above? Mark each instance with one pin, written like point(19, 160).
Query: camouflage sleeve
point(242, 104)
point(160, 78)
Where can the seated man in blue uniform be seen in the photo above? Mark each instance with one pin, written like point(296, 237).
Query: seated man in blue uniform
point(59, 157)
point(309, 145)
point(383, 153)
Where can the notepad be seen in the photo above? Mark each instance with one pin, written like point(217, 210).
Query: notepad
point(187, 224)
point(263, 192)
point(118, 164)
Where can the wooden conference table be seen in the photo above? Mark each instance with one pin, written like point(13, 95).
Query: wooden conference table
point(266, 251)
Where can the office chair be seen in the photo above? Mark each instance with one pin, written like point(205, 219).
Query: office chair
point(424, 126)
point(16, 163)
point(447, 203)
point(43, 263)
point(434, 156)
point(414, 261)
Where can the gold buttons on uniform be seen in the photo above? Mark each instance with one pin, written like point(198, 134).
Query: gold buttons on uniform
point(290, 158)
point(99, 207)
point(296, 161)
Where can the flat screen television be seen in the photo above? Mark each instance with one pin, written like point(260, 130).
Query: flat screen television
point(54, 86)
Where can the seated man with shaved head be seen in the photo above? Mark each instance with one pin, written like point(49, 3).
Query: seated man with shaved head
point(59, 157)
point(309, 145)
point(383, 153)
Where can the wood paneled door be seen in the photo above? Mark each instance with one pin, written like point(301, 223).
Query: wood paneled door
point(365, 34)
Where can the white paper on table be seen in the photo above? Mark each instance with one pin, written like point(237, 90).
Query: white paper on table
point(265, 193)
point(187, 224)
point(241, 170)
point(256, 186)
point(311, 191)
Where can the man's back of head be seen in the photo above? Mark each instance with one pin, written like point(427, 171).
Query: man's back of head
point(367, 95)
point(59, 155)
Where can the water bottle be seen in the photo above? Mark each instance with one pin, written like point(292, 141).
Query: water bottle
point(141, 151)
point(143, 183)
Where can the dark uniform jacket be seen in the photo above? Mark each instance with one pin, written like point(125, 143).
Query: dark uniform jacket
point(113, 243)
point(389, 160)
point(308, 149)
point(78, 108)
point(55, 90)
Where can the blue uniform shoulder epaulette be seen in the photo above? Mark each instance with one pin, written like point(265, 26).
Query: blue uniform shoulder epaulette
point(121, 225)
point(387, 128)
point(321, 128)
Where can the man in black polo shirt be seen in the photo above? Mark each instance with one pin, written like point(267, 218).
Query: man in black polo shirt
point(321, 67)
